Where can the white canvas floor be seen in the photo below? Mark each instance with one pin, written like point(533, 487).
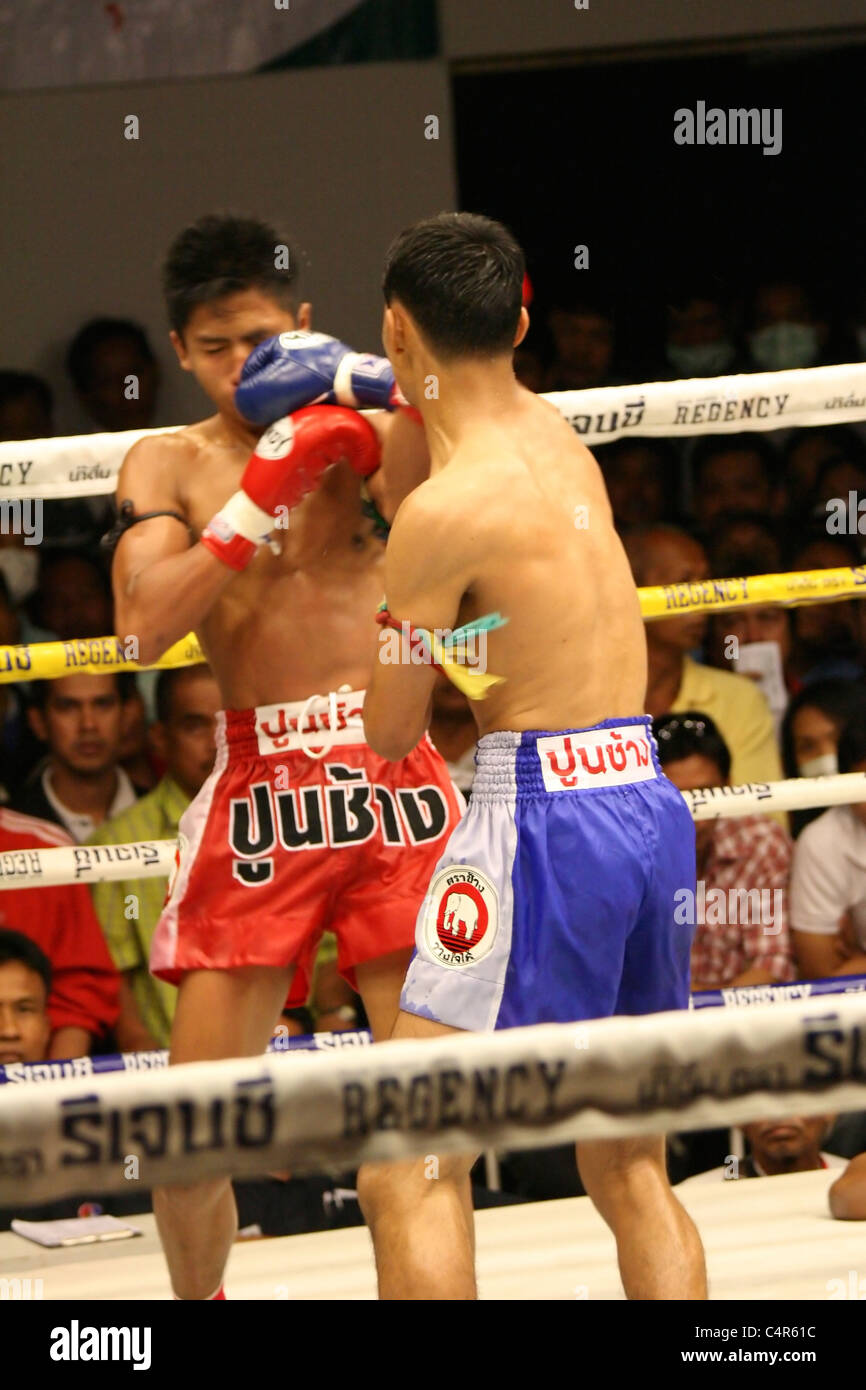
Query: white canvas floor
point(766, 1238)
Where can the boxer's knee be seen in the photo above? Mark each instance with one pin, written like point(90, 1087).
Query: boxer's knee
point(624, 1175)
point(386, 1189)
point(191, 1198)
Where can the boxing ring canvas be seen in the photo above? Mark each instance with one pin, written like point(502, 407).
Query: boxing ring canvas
point(769, 1239)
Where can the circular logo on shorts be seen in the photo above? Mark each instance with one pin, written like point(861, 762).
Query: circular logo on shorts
point(461, 917)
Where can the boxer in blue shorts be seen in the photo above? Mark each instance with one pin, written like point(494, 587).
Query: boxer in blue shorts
point(554, 897)
point(575, 840)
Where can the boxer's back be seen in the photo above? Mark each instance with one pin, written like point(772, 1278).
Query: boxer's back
point(544, 553)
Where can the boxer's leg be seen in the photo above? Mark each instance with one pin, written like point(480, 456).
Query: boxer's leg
point(660, 1252)
point(420, 1212)
point(379, 984)
point(220, 1013)
point(659, 1249)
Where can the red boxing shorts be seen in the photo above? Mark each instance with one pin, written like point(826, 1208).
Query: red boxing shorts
point(302, 828)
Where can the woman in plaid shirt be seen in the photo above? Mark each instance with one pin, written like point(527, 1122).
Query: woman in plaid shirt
point(740, 910)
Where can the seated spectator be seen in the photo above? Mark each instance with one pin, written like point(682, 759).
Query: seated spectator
point(813, 725)
point(700, 339)
point(788, 329)
point(828, 637)
point(454, 732)
point(847, 1196)
point(83, 1002)
point(666, 555)
point(811, 730)
point(73, 596)
point(80, 783)
point(19, 746)
point(19, 570)
point(828, 503)
point(141, 763)
point(807, 451)
point(733, 473)
point(584, 338)
point(25, 984)
point(115, 374)
point(642, 480)
point(744, 543)
point(775, 1147)
point(25, 1031)
point(333, 1006)
point(743, 863)
point(26, 406)
point(828, 880)
point(187, 702)
point(26, 412)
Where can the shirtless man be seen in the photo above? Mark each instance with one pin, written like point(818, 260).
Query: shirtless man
point(564, 869)
point(287, 625)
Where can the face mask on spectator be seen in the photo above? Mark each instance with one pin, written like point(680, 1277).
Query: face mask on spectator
point(780, 346)
point(701, 359)
point(20, 568)
point(825, 766)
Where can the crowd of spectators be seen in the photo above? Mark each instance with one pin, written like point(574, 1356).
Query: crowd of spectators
point(751, 696)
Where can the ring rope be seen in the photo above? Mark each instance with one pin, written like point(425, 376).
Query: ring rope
point(93, 655)
point(65, 864)
point(87, 465)
point(520, 1088)
point(732, 997)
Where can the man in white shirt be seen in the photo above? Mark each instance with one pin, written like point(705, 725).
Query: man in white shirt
point(792, 1145)
point(79, 784)
point(827, 902)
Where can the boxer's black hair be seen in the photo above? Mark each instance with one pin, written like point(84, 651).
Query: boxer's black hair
point(461, 278)
point(222, 254)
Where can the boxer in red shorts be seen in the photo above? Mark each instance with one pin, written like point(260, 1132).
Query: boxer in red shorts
point(265, 552)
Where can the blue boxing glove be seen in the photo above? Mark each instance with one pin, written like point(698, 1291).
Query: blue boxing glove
point(297, 369)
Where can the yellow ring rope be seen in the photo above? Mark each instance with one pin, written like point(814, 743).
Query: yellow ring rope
point(93, 655)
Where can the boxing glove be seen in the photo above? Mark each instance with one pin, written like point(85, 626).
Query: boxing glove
point(297, 369)
point(287, 464)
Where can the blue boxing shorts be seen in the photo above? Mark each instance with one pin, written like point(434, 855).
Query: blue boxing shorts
point(554, 899)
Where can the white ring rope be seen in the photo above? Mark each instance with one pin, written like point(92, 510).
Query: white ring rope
point(34, 868)
point(87, 465)
point(520, 1088)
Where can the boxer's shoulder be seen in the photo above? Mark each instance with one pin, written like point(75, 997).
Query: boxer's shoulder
point(166, 465)
point(166, 453)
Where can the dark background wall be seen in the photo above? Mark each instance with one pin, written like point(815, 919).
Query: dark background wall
point(585, 154)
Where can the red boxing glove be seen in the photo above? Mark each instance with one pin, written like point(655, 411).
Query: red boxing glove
point(286, 465)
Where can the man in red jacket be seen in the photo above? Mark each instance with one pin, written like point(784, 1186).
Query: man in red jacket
point(84, 996)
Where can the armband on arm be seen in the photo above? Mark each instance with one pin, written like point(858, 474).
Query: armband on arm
point(127, 518)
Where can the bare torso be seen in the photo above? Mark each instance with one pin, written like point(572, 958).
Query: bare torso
point(545, 554)
point(295, 624)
